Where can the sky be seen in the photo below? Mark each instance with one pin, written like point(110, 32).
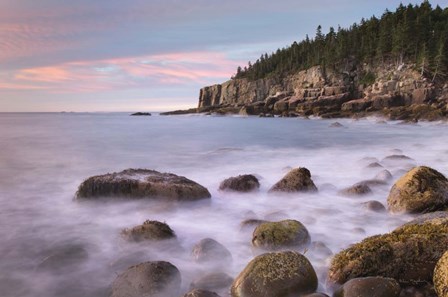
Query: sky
point(147, 55)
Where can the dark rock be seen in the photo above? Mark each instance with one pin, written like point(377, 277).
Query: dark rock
point(151, 279)
point(441, 276)
point(407, 254)
point(214, 281)
point(375, 165)
point(297, 180)
point(251, 223)
point(59, 258)
point(359, 189)
point(279, 235)
point(336, 125)
point(425, 290)
point(209, 250)
point(369, 287)
point(316, 295)
point(180, 112)
point(276, 274)
point(397, 158)
point(149, 230)
point(141, 114)
point(384, 176)
point(201, 293)
point(240, 183)
point(422, 189)
point(374, 205)
point(142, 183)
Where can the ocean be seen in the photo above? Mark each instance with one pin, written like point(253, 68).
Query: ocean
point(45, 156)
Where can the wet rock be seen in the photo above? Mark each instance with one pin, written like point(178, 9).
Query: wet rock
point(374, 205)
point(251, 223)
point(320, 249)
point(433, 217)
point(397, 158)
point(426, 290)
point(373, 183)
point(276, 274)
point(422, 189)
point(297, 180)
point(201, 293)
point(374, 165)
point(240, 183)
point(336, 125)
point(209, 250)
point(441, 276)
point(384, 176)
point(369, 287)
point(316, 295)
point(359, 189)
point(408, 254)
point(213, 282)
point(142, 183)
point(278, 235)
point(149, 230)
point(151, 279)
point(63, 257)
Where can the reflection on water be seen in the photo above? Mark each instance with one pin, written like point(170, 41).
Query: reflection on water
point(55, 246)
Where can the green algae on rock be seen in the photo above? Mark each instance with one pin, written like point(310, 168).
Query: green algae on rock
point(441, 276)
point(422, 189)
point(277, 274)
point(283, 234)
point(149, 230)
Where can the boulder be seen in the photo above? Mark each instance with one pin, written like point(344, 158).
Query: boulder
point(359, 189)
point(251, 223)
point(357, 105)
point(240, 183)
point(63, 256)
point(407, 254)
point(297, 180)
point(149, 279)
point(384, 175)
point(369, 287)
point(422, 95)
point(336, 125)
point(279, 235)
point(374, 205)
point(149, 230)
point(374, 165)
point(441, 276)
point(213, 281)
point(201, 293)
point(209, 250)
point(278, 274)
point(422, 189)
point(142, 183)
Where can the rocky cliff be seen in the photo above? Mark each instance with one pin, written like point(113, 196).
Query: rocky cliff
point(399, 92)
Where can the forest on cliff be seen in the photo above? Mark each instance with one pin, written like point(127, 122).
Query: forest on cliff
point(415, 34)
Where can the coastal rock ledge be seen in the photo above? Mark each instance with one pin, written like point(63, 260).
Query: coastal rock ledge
point(142, 183)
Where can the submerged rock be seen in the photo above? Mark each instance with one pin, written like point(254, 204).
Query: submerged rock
point(150, 279)
point(408, 254)
point(149, 230)
point(422, 189)
point(209, 250)
point(384, 176)
point(276, 274)
point(63, 257)
point(213, 281)
point(142, 183)
point(279, 235)
point(374, 205)
point(250, 223)
point(336, 125)
point(369, 287)
point(201, 293)
point(359, 189)
point(441, 276)
point(297, 180)
point(240, 183)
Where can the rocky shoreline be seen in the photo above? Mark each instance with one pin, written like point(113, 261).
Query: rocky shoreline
point(394, 92)
point(409, 261)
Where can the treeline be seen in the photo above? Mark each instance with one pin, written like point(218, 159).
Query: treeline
point(416, 34)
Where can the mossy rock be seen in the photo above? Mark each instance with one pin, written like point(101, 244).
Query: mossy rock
point(296, 180)
point(279, 274)
point(441, 276)
point(279, 235)
point(408, 254)
point(149, 230)
point(209, 250)
point(241, 183)
point(369, 287)
point(141, 183)
point(149, 279)
point(201, 293)
point(359, 189)
point(422, 189)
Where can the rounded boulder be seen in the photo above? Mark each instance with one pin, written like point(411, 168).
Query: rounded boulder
point(279, 235)
point(149, 230)
point(279, 274)
point(296, 180)
point(241, 183)
point(369, 287)
point(441, 276)
point(421, 189)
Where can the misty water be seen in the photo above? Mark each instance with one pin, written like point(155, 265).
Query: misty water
point(44, 157)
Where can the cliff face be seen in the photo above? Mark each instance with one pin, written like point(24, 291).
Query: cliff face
point(354, 89)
